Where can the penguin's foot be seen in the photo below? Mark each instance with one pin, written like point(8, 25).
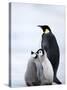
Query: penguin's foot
point(56, 80)
point(28, 84)
point(36, 83)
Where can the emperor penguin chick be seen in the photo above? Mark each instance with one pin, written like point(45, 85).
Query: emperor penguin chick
point(48, 74)
point(33, 71)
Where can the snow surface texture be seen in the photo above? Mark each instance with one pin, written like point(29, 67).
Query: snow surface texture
point(26, 36)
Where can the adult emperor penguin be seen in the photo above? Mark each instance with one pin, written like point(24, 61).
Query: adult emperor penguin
point(49, 43)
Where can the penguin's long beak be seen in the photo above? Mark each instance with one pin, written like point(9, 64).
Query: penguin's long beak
point(41, 27)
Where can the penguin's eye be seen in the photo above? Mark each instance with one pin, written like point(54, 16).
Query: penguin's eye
point(46, 31)
point(40, 53)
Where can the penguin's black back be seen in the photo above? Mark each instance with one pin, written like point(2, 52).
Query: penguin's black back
point(49, 43)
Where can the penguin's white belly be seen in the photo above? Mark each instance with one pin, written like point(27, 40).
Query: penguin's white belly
point(47, 72)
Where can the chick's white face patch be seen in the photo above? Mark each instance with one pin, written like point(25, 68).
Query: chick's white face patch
point(40, 53)
point(47, 31)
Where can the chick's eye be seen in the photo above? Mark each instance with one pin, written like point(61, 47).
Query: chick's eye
point(40, 53)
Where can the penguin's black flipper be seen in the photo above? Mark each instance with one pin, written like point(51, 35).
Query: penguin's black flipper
point(56, 80)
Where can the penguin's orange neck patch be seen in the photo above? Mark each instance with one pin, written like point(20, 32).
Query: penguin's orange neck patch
point(46, 31)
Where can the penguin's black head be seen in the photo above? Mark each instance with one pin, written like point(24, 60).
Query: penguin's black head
point(46, 29)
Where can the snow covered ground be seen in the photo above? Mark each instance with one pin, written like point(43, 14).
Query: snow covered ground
point(26, 36)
